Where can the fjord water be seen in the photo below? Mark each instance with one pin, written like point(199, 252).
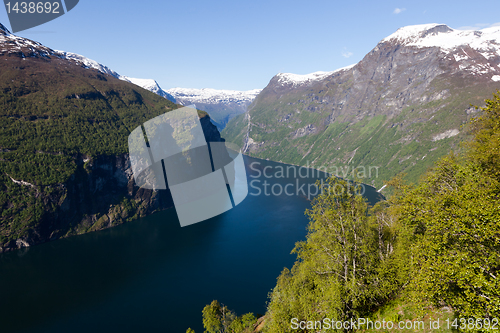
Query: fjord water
point(151, 275)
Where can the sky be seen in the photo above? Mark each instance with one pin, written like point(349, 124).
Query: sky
point(240, 45)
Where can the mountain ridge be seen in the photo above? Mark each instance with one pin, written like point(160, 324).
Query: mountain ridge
point(399, 108)
point(222, 105)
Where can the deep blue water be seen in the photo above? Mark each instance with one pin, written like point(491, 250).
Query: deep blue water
point(151, 275)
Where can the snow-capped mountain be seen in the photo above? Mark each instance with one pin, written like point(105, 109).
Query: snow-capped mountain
point(451, 42)
point(149, 84)
point(298, 80)
point(29, 48)
point(222, 105)
point(448, 39)
point(400, 108)
point(12, 44)
point(86, 62)
point(213, 96)
point(475, 51)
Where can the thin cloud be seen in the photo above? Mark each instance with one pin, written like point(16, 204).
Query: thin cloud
point(479, 26)
point(346, 54)
point(398, 10)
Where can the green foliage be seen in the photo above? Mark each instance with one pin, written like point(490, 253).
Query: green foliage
point(338, 274)
point(243, 323)
point(190, 330)
point(401, 310)
point(454, 214)
point(218, 318)
point(486, 143)
point(429, 248)
point(55, 116)
point(213, 317)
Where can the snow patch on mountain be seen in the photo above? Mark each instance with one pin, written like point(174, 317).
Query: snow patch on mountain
point(440, 35)
point(414, 33)
point(148, 84)
point(297, 79)
point(495, 78)
point(213, 96)
point(465, 46)
point(86, 62)
point(10, 43)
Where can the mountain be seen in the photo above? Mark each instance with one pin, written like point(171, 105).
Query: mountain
point(87, 63)
point(398, 110)
point(64, 166)
point(148, 84)
point(151, 85)
point(222, 105)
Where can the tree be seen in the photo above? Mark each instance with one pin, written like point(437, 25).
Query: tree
point(485, 146)
point(456, 213)
point(336, 273)
point(438, 242)
point(190, 330)
point(340, 249)
point(212, 317)
point(217, 318)
point(243, 323)
point(454, 218)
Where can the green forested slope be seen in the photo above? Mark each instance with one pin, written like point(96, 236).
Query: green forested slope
point(56, 120)
point(433, 245)
point(52, 110)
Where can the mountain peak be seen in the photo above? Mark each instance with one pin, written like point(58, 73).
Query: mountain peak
point(413, 33)
point(213, 96)
point(4, 30)
point(298, 80)
point(148, 84)
point(486, 41)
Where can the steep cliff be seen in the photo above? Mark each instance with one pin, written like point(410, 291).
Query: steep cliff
point(101, 193)
point(399, 109)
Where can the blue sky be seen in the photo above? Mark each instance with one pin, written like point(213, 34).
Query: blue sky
point(240, 45)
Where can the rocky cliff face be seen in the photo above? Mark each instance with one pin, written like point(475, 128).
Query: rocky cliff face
point(99, 195)
point(399, 109)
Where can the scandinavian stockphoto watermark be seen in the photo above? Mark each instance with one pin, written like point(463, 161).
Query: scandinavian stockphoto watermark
point(29, 14)
point(291, 180)
point(205, 178)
